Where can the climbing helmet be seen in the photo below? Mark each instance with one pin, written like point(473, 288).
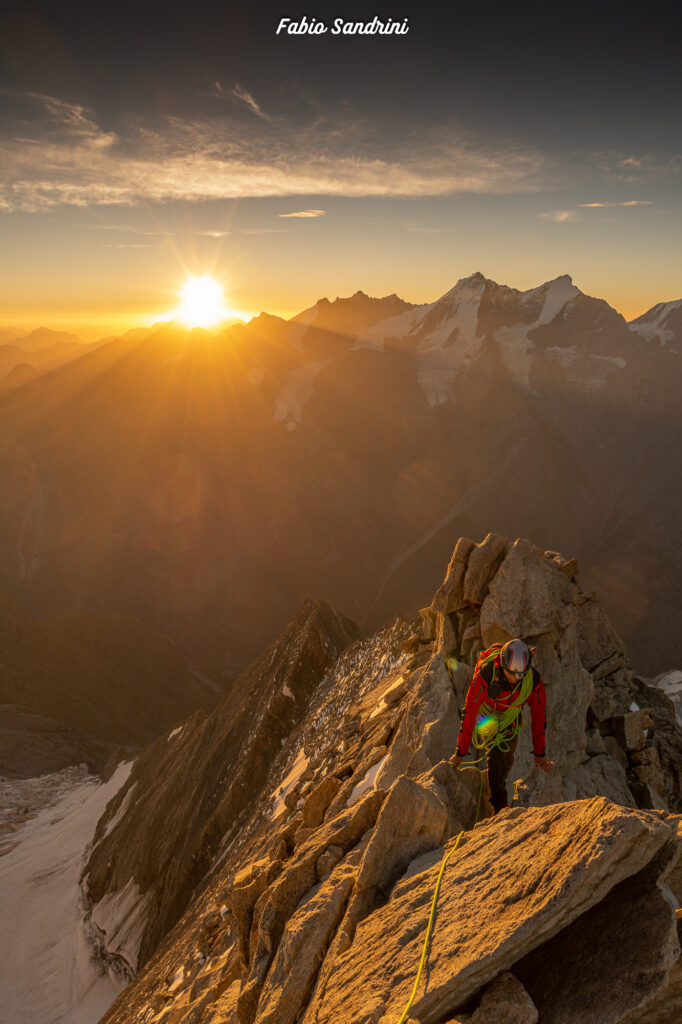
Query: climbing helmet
point(515, 657)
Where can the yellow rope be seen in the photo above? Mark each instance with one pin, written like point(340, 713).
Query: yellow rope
point(434, 901)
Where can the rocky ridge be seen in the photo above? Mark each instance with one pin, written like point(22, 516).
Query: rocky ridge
point(188, 794)
point(313, 906)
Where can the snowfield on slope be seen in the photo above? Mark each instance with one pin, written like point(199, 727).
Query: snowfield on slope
point(47, 971)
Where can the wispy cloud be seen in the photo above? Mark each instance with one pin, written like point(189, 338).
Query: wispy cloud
point(560, 216)
point(634, 170)
point(60, 119)
point(241, 95)
point(72, 161)
point(630, 202)
point(304, 213)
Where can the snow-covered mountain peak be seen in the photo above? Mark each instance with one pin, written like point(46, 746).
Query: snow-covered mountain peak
point(475, 284)
point(555, 295)
point(554, 324)
point(661, 323)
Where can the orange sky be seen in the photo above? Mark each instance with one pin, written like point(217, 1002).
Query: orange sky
point(68, 275)
point(292, 169)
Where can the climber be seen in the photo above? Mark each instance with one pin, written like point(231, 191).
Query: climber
point(503, 680)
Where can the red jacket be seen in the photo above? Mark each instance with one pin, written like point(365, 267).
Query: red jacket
point(490, 686)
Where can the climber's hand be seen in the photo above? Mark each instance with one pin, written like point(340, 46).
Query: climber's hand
point(543, 762)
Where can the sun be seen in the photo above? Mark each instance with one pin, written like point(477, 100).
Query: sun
point(202, 302)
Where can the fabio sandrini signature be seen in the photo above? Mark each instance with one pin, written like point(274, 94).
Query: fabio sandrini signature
point(340, 27)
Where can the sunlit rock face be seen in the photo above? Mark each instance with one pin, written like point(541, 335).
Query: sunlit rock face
point(208, 484)
point(283, 854)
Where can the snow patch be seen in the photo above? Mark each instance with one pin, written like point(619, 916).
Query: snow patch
point(297, 389)
point(431, 327)
point(287, 692)
point(288, 783)
point(367, 783)
point(121, 918)
point(446, 333)
point(47, 970)
point(22, 799)
point(654, 329)
point(444, 338)
point(557, 294)
point(514, 342)
point(177, 979)
point(125, 803)
point(383, 704)
point(175, 732)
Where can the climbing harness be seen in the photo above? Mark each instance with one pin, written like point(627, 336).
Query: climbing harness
point(432, 915)
point(497, 729)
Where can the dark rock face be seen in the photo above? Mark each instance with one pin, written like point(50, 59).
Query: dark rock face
point(665, 737)
point(209, 485)
point(634, 958)
point(190, 792)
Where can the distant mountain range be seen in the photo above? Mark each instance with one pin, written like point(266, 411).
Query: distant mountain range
point(209, 484)
point(24, 357)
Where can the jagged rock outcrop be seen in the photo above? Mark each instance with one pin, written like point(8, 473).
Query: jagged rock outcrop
point(599, 745)
point(312, 905)
point(499, 902)
point(666, 1005)
point(671, 685)
point(658, 765)
point(189, 793)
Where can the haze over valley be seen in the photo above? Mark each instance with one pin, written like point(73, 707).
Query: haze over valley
point(207, 482)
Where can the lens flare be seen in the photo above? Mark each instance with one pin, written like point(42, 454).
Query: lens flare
point(487, 727)
point(202, 302)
